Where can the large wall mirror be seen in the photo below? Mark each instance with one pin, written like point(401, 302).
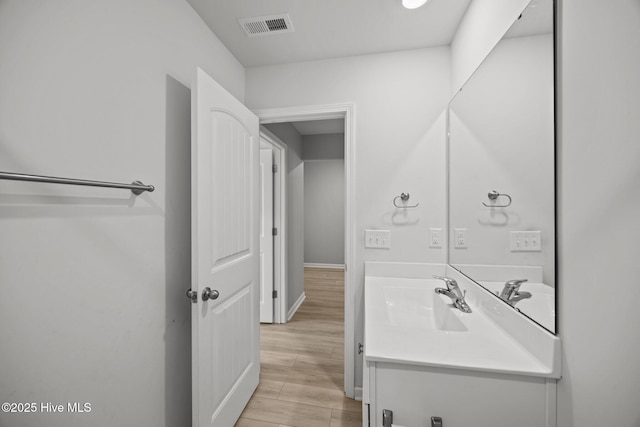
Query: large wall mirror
point(502, 169)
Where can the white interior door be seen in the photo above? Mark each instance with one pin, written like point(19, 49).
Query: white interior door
point(225, 257)
point(266, 236)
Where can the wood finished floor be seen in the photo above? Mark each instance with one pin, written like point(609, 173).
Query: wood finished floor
point(301, 374)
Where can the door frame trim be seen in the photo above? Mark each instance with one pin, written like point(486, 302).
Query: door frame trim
point(344, 111)
point(279, 222)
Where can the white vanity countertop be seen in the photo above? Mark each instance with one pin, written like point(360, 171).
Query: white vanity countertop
point(541, 307)
point(402, 333)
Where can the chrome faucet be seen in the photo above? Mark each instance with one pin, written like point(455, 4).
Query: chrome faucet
point(511, 292)
point(453, 291)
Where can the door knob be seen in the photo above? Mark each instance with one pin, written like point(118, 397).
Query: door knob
point(192, 295)
point(207, 294)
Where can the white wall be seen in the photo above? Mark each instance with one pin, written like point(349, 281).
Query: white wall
point(323, 147)
point(295, 209)
point(93, 281)
point(502, 138)
point(599, 208)
point(400, 133)
point(324, 212)
point(324, 192)
point(483, 25)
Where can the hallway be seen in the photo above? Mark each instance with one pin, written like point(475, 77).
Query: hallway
point(301, 377)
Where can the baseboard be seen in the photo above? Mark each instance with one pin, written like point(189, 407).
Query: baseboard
point(296, 306)
point(358, 393)
point(317, 265)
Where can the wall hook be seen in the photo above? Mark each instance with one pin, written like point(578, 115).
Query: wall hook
point(404, 197)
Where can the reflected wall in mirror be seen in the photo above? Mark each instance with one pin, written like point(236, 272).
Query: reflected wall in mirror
point(502, 168)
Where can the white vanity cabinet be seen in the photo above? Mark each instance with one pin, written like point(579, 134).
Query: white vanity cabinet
point(424, 358)
point(461, 398)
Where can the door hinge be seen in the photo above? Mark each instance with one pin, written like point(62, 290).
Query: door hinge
point(275, 294)
point(274, 168)
point(274, 231)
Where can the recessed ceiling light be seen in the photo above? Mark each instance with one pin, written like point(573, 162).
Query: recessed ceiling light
point(413, 4)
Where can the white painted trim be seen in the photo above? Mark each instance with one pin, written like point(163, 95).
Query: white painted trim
point(358, 394)
point(303, 113)
point(551, 387)
point(280, 222)
point(350, 245)
point(331, 266)
point(296, 306)
point(345, 111)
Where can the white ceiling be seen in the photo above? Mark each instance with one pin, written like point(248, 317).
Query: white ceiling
point(331, 28)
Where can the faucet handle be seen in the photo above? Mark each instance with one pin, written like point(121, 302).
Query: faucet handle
point(510, 288)
point(461, 304)
point(448, 281)
point(515, 284)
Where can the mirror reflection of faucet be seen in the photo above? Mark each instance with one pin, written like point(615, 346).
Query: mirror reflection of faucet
point(511, 292)
point(453, 291)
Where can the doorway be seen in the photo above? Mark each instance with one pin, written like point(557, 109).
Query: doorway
point(273, 233)
point(346, 113)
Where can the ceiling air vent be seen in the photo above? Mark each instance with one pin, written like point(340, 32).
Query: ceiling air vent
point(265, 25)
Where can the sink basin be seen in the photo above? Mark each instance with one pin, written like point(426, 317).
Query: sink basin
point(405, 321)
point(421, 308)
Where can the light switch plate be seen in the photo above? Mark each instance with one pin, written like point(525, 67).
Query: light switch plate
point(526, 241)
point(377, 239)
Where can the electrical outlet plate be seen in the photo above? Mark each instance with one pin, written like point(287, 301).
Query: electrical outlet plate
point(526, 241)
point(435, 237)
point(460, 238)
point(377, 239)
